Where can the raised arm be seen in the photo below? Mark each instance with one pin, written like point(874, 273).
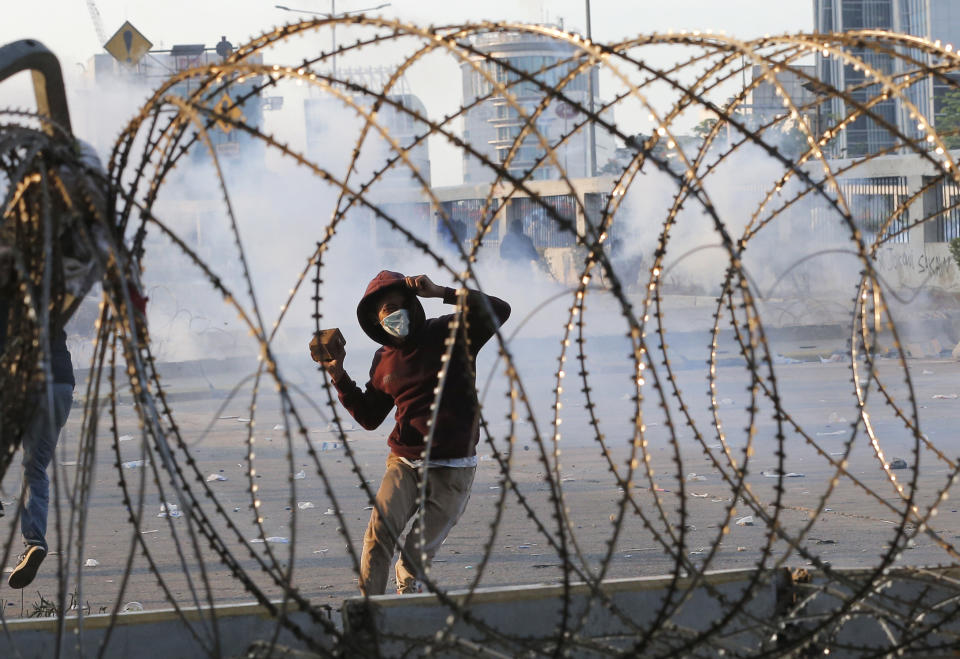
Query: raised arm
point(481, 325)
point(370, 406)
point(479, 321)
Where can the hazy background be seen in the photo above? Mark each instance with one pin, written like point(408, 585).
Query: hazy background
point(66, 28)
point(281, 211)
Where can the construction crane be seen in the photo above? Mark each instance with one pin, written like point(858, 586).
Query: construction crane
point(97, 21)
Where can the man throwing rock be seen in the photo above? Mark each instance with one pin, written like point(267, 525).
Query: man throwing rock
point(404, 375)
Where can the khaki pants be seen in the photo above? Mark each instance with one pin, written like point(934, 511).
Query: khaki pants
point(448, 490)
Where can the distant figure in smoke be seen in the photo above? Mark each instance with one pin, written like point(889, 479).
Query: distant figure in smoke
point(453, 234)
point(405, 374)
point(517, 247)
point(626, 264)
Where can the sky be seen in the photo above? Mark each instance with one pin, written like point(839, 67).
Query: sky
point(65, 26)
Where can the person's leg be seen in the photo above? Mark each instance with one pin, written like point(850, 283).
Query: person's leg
point(39, 446)
point(396, 502)
point(448, 491)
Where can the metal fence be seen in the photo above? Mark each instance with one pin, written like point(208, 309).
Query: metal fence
point(940, 203)
point(465, 216)
point(872, 202)
point(540, 224)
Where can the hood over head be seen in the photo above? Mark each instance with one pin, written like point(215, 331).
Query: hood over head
point(367, 308)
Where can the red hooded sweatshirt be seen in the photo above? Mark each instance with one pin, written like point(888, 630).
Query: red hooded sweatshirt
point(405, 373)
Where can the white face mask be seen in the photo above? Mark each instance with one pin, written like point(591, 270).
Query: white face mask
point(397, 324)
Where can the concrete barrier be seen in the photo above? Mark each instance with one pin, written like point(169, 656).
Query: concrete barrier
point(846, 614)
point(162, 633)
point(909, 608)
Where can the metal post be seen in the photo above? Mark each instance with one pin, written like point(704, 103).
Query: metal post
point(592, 127)
point(333, 35)
point(31, 55)
point(333, 26)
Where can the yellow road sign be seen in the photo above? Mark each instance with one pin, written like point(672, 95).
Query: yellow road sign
point(128, 45)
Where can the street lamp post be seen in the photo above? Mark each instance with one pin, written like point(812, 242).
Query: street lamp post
point(333, 28)
point(821, 91)
point(592, 127)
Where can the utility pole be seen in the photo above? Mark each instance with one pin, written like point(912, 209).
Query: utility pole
point(333, 26)
point(591, 128)
point(333, 37)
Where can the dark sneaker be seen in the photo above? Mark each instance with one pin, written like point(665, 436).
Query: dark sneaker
point(26, 569)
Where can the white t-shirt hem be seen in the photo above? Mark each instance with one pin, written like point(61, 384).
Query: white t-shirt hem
point(457, 463)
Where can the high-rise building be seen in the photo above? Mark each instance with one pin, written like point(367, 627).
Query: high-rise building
point(328, 119)
point(766, 103)
point(945, 27)
point(492, 124)
point(934, 19)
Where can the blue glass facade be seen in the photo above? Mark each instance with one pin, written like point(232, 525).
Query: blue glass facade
point(892, 121)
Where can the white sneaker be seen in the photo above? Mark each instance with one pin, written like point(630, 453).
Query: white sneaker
point(410, 587)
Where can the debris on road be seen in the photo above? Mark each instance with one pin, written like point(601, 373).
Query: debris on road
point(170, 509)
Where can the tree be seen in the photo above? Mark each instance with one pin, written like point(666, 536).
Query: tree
point(702, 130)
point(791, 141)
point(954, 247)
point(948, 119)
